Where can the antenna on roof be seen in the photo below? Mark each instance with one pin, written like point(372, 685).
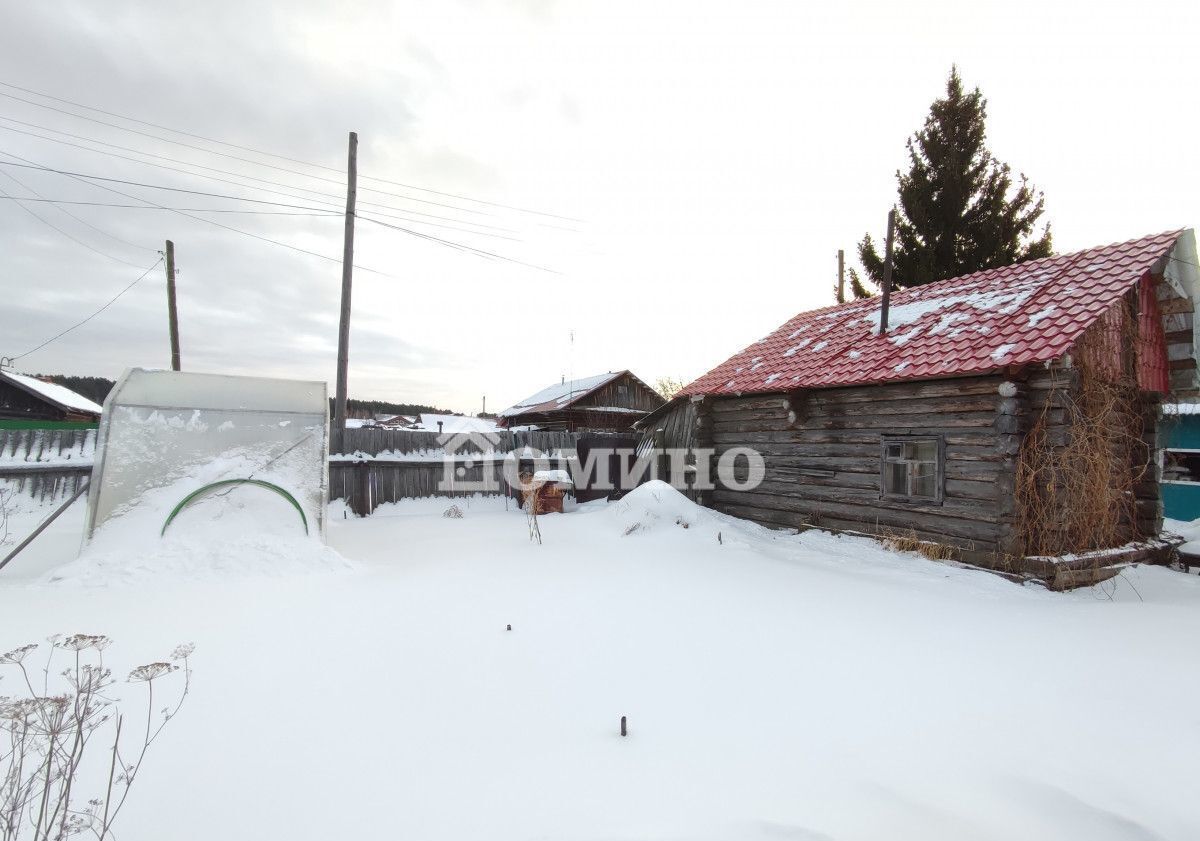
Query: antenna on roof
point(887, 273)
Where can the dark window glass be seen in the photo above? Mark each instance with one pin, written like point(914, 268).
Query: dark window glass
point(910, 468)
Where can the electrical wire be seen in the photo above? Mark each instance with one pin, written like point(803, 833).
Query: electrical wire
point(330, 199)
point(418, 234)
point(237, 158)
point(152, 207)
point(111, 301)
point(76, 240)
point(314, 211)
point(267, 154)
point(458, 245)
point(82, 221)
point(209, 221)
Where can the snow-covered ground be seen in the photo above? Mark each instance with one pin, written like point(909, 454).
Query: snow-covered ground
point(776, 686)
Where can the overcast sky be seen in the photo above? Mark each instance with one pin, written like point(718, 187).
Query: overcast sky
point(716, 154)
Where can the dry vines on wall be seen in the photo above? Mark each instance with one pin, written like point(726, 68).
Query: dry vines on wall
point(1085, 453)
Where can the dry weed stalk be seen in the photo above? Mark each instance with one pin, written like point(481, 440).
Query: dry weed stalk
point(1085, 453)
point(48, 733)
point(529, 488)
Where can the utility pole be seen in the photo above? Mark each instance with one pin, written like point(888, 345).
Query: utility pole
point(339, 405)
point(172, 312)
point(887, 272)
point(841, 296)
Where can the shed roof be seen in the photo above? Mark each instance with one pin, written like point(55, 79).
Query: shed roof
point(561, 395)
point(1018, 314)
point(57, 395)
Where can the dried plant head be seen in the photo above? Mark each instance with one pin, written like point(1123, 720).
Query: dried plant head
point(18, 654)
point(89, 679)
point(150, 671)
point(184, 651)
point(82, 642)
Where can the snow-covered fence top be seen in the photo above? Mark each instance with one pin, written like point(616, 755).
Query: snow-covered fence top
point(420, 444)
point(32, 447)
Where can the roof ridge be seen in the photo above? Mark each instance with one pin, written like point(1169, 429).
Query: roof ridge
point(1013, 314)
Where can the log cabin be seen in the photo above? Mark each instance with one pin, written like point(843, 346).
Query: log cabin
point(1007, 416)
point(28, 399)
point(609, 402)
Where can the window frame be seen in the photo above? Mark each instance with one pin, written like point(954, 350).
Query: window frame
point(939, 443)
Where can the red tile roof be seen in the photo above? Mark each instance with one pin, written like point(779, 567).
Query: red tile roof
point(1029, 312)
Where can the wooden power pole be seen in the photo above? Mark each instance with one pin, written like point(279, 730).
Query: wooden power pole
point(172, 311)
point(887, 272)
point(339, 404)
point(841, 296)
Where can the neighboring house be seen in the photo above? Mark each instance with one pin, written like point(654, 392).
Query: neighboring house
point(26, 398)
point(1179, 433)
point(609, 402)
point(454, 424)
point(445, 424)
point(1009, 414)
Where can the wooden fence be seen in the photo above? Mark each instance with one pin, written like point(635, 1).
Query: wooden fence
point(373, 442)
point(34, 446)
point(46, 464)
point(372, 469)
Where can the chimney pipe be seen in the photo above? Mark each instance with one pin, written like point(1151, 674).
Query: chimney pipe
point(887, 273)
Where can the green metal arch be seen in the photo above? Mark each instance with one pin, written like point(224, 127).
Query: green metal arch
point(187, 500)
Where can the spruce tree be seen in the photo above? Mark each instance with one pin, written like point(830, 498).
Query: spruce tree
point(960, 210)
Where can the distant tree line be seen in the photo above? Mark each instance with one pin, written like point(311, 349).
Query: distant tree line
point(93, 388)
point(371, 408)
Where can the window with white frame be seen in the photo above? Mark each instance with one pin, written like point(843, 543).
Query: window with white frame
point(912, 468)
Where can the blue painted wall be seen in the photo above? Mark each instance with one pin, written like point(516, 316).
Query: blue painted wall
point(1181, 432)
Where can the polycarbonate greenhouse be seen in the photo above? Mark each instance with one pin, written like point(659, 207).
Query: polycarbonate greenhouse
point(169, 440)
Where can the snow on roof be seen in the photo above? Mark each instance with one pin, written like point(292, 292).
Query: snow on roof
point(560, 395)
point(60, 396)
point(454, 424)
point(560, 477)
point(1028, 312)
point(1181, 408)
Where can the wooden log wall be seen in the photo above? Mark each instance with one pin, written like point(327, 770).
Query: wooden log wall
point(822, 451)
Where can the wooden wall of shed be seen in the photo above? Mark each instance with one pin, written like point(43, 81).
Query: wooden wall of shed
point(1046, 391)
point(637, 395)
point(1178, 318)
point(822, 452)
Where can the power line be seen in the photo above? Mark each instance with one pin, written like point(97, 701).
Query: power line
point(202, 219)
point(315, 211)
point(41, 198)
point(129, 183)
point(153, 207)
point(73, 239)
point(333, 200)
point(235, 157)
point(268, 154)
point(84, 179)
point(111, 301)
point(458, 245)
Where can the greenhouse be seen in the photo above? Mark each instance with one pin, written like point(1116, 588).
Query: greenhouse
point(179, 446)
